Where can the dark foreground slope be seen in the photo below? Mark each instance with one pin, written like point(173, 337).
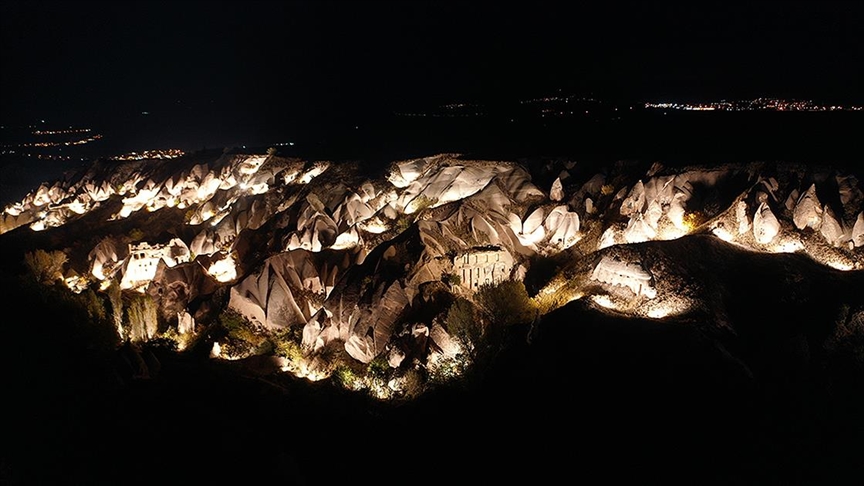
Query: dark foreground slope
point(774, 398)
point(593, 397)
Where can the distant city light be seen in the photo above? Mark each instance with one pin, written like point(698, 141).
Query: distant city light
point(151, 154)
point(61, 132)
point(758, 104)
point(58, 143)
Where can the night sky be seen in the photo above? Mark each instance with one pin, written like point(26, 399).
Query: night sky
point(248, 65)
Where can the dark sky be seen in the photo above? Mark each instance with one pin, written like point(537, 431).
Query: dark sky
point(80, 61)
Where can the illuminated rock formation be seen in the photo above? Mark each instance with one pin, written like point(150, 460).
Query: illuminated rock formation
point(557, 192)
point(742, 218)
point(808, 210)
point(831, 228)
point(345, 259)
point(562, 226)
point(635, 201)
point(629, 275)
point(104, 258)
point(287, 291)
point(531, 231)
point(765, 225)
point(858, 231)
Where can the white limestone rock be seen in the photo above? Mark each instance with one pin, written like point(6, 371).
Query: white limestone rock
point(140, 267)
point(216, 350)
point(531, 231)
point(848, 188)
point(792, 200)
point(185, 323)
point(589, 206)
point(831, 230)
point(41, 197)
point(765, 225)
point(9, 222)
point(635, 201)
point(653, 214)
point(104, 258)
point(517, 184)
point(594, 186)
point(204, 243)
point(492, 200)
point(468, 181)
point(446, 345)
point(638, 230)
point(371, 330)
point(361, 348)
point(858, 231)
point(741, 217)
point(770, 187)
point(406, 172)
point(563, 227)
point(624, 274)
point(347, 240)
point(808, 210)
point(395, 357)
point(483, 231)
point(676, 211)
point(557, 191)
point(276, 296)
point(608, 238)
point(222, 267)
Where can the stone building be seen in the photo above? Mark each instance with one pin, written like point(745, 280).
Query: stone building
point(483, 265)
point(140, 266)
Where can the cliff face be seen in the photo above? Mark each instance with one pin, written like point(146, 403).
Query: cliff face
point(370, 265)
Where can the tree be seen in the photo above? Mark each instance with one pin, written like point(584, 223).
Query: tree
point(451, 279)
point(143, 319)
point(463, 323)
point(115, 297)
point(506, 304)
point(45, 267)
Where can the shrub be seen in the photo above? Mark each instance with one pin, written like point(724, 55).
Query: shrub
point(447, 370)
point(287, 345)
point(171, 339)
point(546, 303)
point(421, 203)
point(231, 320)
point(451, 279)
point(345, 377)
point(694, 219)
point(135, 234)
point(403, 222)
point(366, 284)
point(846, 343)
point(45, 267)
point(242, 333)
point(463, 323)
point(378, 367)
point(507, 303)
point(412, 384)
